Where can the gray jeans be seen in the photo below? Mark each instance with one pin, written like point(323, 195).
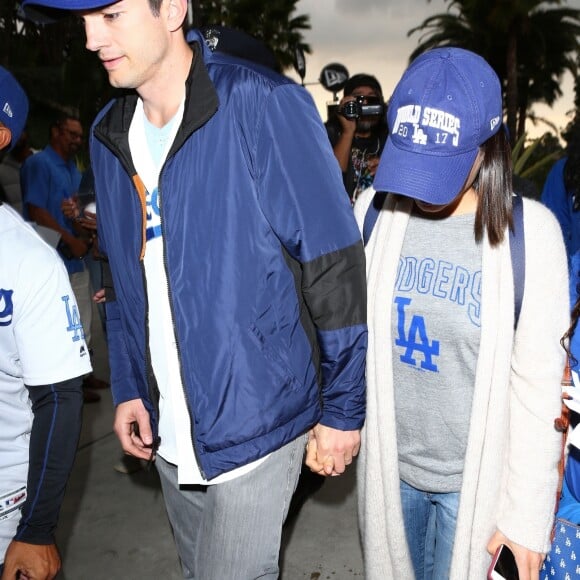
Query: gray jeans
point(232, 530)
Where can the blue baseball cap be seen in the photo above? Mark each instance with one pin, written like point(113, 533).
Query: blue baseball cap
point(45, 11)
point(13, 105)
point(447, 103)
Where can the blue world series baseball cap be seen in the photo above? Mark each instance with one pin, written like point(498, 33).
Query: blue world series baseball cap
point(447, 103)
point(45, 11)
point(13, 105)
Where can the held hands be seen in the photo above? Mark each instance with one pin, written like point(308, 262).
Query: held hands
point(133, 429)
point(329, 451)
point(30, 561)
point(528, 562)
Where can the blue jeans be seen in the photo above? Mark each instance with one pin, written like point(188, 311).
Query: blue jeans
point(233, 529)
point(430, 520)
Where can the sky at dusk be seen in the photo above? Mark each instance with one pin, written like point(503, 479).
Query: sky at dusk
point(371, 36)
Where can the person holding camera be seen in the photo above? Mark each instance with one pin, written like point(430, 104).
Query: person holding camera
point(358, 132)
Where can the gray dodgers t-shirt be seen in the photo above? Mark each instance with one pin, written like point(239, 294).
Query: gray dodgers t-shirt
point(436, 317)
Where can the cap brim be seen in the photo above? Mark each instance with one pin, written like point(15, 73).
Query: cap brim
point(14, 106)
point(434, 179)
point(47, 11)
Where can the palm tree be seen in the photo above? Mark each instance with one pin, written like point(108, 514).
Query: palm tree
point(573, 128)
point(528, 45)
point(272, 21)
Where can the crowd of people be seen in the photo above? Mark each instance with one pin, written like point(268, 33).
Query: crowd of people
point(331, 291)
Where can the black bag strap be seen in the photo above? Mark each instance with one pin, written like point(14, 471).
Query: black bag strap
point(372, 215)
point(516, 238)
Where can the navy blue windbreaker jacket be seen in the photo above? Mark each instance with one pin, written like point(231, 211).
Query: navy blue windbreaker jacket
point(264, 261)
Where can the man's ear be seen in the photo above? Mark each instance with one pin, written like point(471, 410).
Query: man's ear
point(5, 137)
point(177, 11)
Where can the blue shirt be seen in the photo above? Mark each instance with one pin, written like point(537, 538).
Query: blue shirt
point(46, 180)
point(555, 197)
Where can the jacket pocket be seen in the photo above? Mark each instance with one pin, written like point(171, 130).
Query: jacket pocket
point(274, 357)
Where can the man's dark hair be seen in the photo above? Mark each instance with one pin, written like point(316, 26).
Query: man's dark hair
point(493, 185)
point(60, 120)
point(155, 6)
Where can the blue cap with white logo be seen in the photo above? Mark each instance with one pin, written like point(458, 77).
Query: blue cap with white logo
point(13, 105)
point(445, 106)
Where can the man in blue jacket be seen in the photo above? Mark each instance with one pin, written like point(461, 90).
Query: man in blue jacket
point(236, 318)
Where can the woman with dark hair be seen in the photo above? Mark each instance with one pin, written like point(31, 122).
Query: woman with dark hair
point(459, 454)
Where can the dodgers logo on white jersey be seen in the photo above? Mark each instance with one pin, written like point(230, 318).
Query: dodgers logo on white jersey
point(74, 320)
point(6, 307)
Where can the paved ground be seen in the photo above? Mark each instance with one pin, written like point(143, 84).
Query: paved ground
point(113, 526)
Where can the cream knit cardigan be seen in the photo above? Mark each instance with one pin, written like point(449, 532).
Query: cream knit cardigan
point(510, 474)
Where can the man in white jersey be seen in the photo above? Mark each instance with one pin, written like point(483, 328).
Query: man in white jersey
point(43, 357)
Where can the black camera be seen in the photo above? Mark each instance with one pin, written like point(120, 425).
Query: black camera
point(362, 106)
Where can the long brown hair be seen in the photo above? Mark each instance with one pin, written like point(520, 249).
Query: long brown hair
point(494, 190)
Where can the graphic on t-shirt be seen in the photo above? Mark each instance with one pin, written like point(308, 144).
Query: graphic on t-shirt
point(423, 286)
point(6, 307)
point(153, 215)
point(74, 320)
point(414, 338)
point(362, 176)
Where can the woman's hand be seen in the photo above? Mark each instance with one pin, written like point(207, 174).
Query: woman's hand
point(528, 562)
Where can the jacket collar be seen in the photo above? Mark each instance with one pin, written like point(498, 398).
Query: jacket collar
point(201, 103)
point(201, 100)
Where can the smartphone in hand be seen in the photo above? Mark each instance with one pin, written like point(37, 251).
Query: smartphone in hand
point(503, 565)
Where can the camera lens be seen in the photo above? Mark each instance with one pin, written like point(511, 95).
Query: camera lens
point(351, 110)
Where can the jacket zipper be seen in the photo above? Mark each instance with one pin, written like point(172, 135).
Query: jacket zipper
point(149, 374)
point(170, 296)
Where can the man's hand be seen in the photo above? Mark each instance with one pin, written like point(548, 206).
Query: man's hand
point(70, 207)
point(99, 296)
point(133, 429)
point(329, 450)
point(88, 221)
point(528, 562)
point(348, 125)
point(30, 561)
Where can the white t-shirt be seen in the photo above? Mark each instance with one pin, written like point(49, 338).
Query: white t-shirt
point(174, 421)
point(41, 342)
